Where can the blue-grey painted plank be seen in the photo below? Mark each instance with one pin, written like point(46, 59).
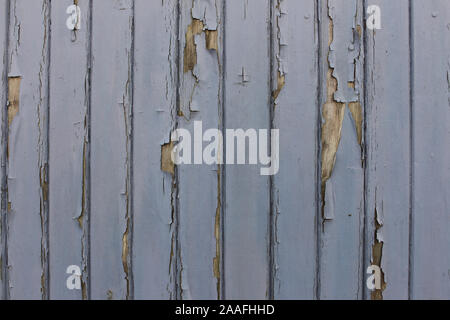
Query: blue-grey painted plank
point(295, 115)
point(342, 222)
point(200, 184)
point(110, 149)
point(3, 100)
point(431, 132)
point(27, 150)
point(68, 162)
point(247, 193)
point(388, 149)
point(155, 72)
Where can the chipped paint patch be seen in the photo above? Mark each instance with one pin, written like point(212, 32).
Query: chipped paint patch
point(204, 20)
point(83, 186)
point(281, 81)
point(43, 176)
point(42, 147)
point(344, 54)
point(190, 49)
point(173, 246)
point(211, 40)
point(84, 199)
point(84, 276)
point(216, 260)
point(281, 54)
point(13, 98)
point(333, 116)
point(83, 290)
point(167, 164)
point(357, 115)
point(125, 256)
point(377, 256)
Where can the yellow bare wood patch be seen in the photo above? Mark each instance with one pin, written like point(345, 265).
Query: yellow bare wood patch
point(281, 81)
point(167, 164)
point(333, 115)
point(13, 98)
point(356, 110)
point(190, 49)
point(211, 39)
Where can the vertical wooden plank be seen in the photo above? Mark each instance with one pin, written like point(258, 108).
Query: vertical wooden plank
point(431, 155)
point(110, 151)
point(247, 193)
point(155, 92)
point(295, 52)
point(27, 150)
point(4, 5)
point(200, 184)
point(69, 92)
point(388, 149)
point(341, 225)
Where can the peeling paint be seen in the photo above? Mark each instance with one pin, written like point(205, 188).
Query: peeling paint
point(216, 260)
point(357, 115)
point(84, 197)
point(13, 98)
point(84, 295)
point(125, 256)
point(281, 81)
point(200, 98)
point(211, 40)
point(342, 69)
point(343, 52)
point(206, 11)
point(355, 106)
point(43, 176)
point(125, 238)
point(377, 255)
point(333, 115)
point(190, 49)
point(204, 20)
point(167, 164)
point(281, 54)
point(42, 147)
point(127, 115)
point(83, 187)
point(173, 245)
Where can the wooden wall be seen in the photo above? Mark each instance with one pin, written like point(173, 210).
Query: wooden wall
point(364, 127)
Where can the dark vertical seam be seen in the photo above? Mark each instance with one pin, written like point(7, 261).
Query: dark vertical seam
point(176, 177)
point(223, 186)
point(271, 226)
point(4, 159)
point(88, 160)
point(222, 167)
point(411, 150)
point(318, 199)
point(365, 153)
point(47, 153)
point(130, 154)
